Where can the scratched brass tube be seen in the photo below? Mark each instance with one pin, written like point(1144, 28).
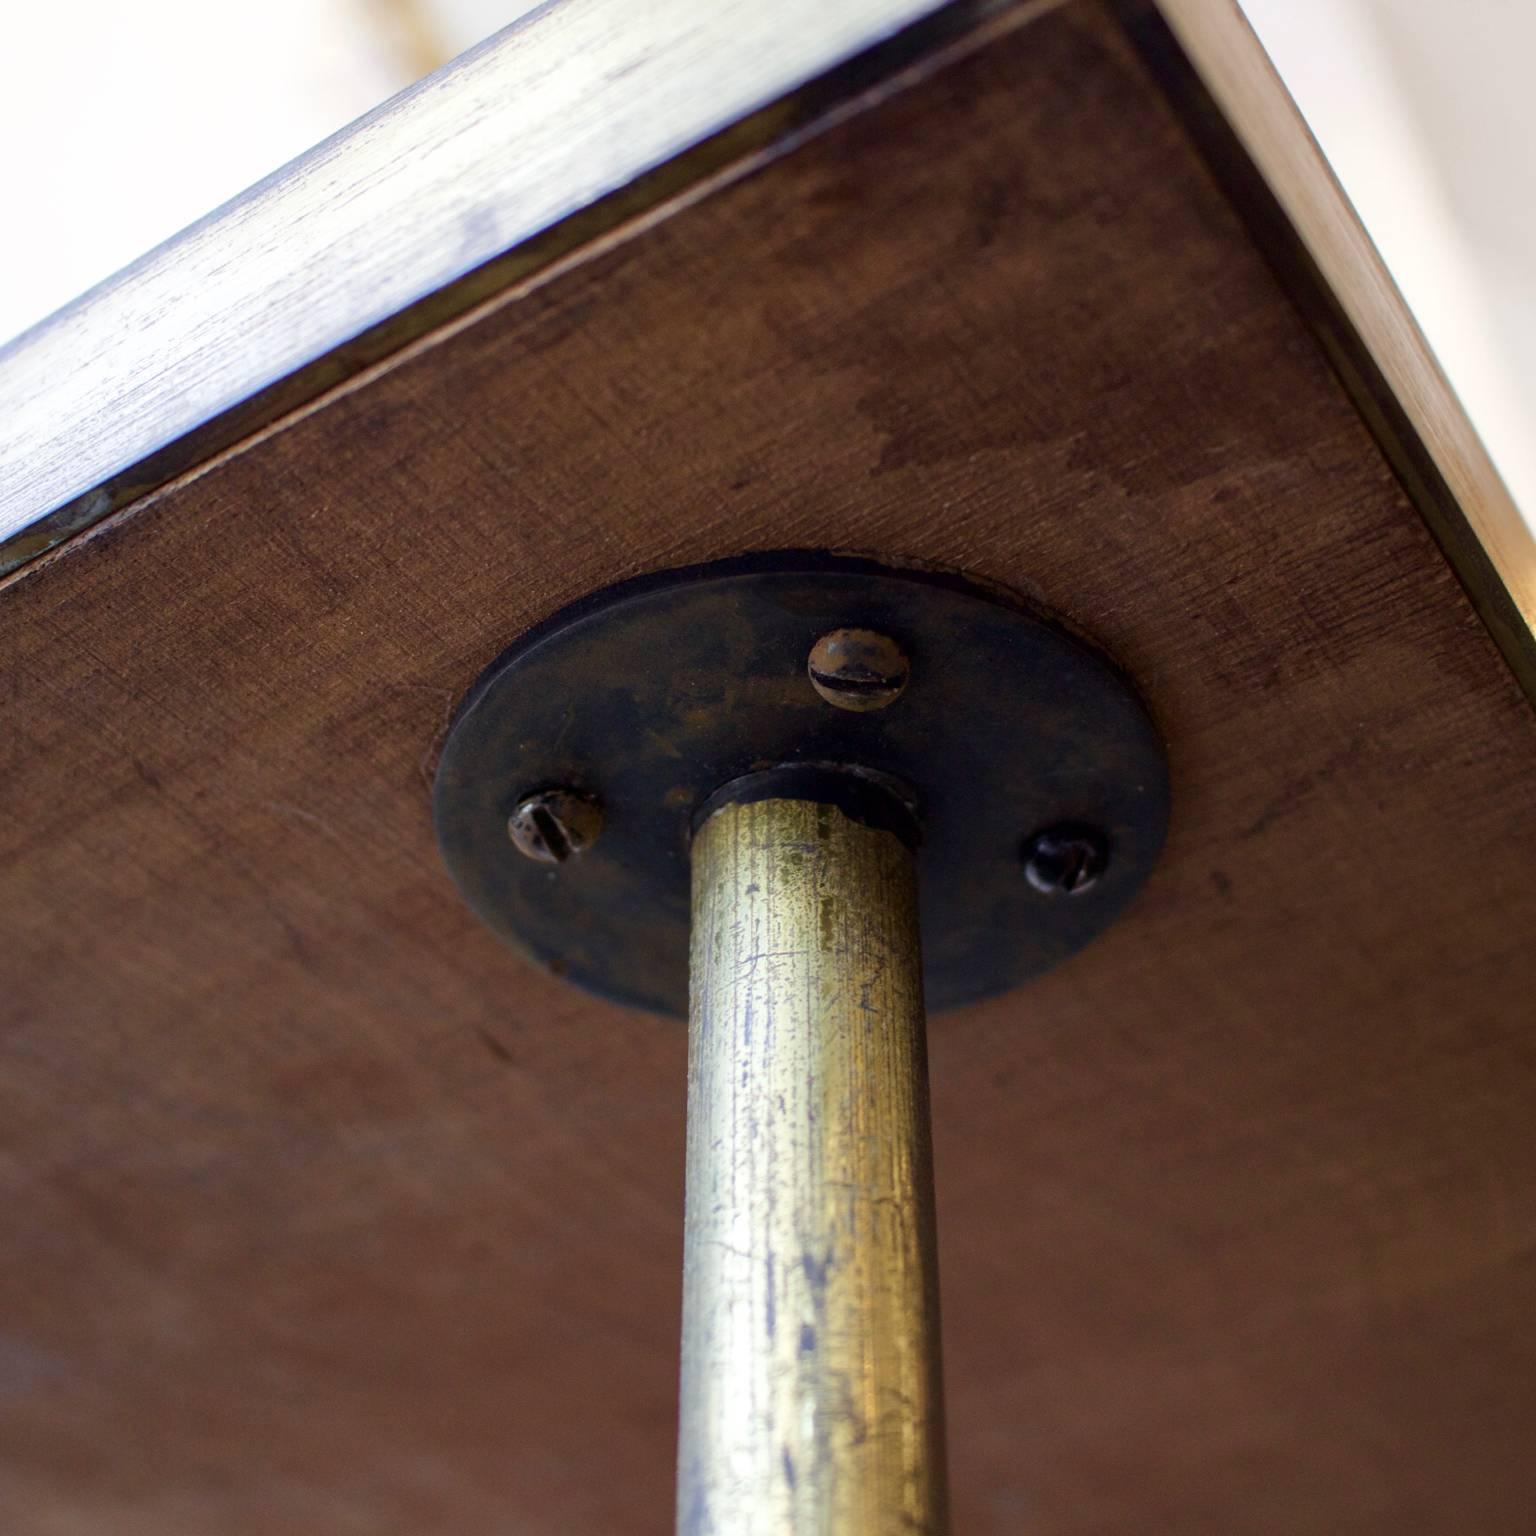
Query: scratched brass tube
point(810, 1379)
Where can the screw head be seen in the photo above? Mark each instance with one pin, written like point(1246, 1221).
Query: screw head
point(1066, 860)
point(554, 825)
point(858, 669)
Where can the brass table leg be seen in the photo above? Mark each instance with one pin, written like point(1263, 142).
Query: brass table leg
point(803, 720)
point(811, 1401)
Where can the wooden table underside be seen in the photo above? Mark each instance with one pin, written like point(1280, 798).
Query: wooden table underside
point(322, 1212)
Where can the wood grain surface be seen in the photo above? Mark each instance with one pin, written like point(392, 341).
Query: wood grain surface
point(322, 1213)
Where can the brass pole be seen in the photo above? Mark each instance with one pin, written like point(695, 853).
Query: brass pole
point(810, 1381)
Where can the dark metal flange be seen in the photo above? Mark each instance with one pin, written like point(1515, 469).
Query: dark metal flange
point(1039, 782)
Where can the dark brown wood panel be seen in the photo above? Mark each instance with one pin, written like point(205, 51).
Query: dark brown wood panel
point(322, 1213)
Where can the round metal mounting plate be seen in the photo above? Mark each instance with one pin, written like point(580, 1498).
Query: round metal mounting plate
point(651, 695)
